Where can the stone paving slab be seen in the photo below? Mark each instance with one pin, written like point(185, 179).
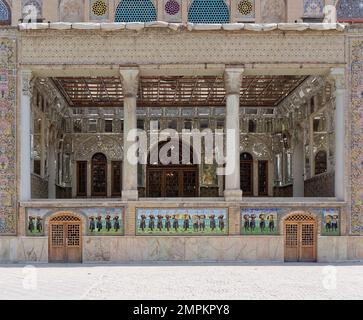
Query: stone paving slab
point(182, 281)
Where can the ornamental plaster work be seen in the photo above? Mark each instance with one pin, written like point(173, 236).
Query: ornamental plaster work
point(357, 137)
point(150, 46)
point(7, 136)
point(273, 10)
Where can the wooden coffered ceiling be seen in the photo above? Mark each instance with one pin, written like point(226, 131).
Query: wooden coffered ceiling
point(256, 91)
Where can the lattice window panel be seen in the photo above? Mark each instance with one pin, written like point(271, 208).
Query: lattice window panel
point(98, 9)
point(307, 235)
point(291, 235)
point(349, 10)
point(65, 218)
point(314, 8)
point(57, 235)
point(173, 10)
point(4, 13)
point(73, 235)
point(135, 11)
point(245, 10)
point(208, 11)
point(300, 217)
point(32, 10)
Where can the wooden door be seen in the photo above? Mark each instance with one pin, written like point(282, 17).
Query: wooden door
point(262, 178)
point(300, 238)
point(246, 174)
point(172, 181)
point(82, 178)
point(65, 239)
point(99, 175)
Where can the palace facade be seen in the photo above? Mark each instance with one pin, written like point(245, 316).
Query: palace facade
point(270, 88)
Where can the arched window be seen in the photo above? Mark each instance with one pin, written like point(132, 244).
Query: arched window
point(350, 10)
point(208, 11)
point(5, 13)
point(135, 11)
point(321, 162)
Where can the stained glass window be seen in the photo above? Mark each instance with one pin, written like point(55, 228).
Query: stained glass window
point(135, 11)
point(208, 11)
point(4, 13)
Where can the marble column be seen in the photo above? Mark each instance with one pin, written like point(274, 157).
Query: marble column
point(338, 76)
point(232, 82)
point(25, 153)
point(130, 83)
point(52, 172)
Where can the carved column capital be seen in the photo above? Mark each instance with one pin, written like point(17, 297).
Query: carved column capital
point(337, 76)
point(233, 80)
point(130, 81)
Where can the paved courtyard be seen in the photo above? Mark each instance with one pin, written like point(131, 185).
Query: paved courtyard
point(182, 281)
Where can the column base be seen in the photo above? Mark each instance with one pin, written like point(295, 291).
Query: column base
point(131, 195)
point(233, 195)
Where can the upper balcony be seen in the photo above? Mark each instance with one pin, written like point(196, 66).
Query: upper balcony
point(180, 11)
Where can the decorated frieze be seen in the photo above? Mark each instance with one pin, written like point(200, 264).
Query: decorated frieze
point(181, 221)
point(98, 221)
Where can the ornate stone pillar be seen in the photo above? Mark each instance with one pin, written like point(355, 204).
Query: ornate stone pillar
point(338, 75)
point(130, 83)
point(232, 82)
point(25, 153)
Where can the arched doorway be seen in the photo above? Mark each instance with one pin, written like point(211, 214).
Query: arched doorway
point(65, 238)
point(99, 175)
point(300, 231)
point(172, 180)
point(246, 173)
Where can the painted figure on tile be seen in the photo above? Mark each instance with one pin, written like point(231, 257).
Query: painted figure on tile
point(253, 222)
point(212, 222)
point(262, 222)
point(167, 222)
point(334, 223)
point(186, 222)
point(99, 223)
point(221, 222)
point(160, 222)
point(271, 223)
point(116, 223)
point(195, 219)
point(143, 223)
point(39, 224)
point(151, 222)
point(175, 222)
point(92, 224)
point(108, 223)
point(31, 224)
point(328, 221)
point(202, 222)
point(246, 222)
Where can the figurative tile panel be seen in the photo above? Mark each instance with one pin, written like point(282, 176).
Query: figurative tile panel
point(259, 221)
point(330, 222)
point(181, 221)
point(7, 136)
point(100, 221)
point(356, 161)
point(32, 10)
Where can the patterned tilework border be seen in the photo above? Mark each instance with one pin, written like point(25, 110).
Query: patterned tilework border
point(357, 136)
point(7, 136)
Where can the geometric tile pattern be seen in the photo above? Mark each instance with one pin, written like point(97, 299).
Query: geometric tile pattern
point(135, 11)
point(208, 11)
point(357, 137)
point(7, 136)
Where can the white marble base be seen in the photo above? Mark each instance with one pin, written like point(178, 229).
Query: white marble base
point(130, 195)
point(232, 195)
